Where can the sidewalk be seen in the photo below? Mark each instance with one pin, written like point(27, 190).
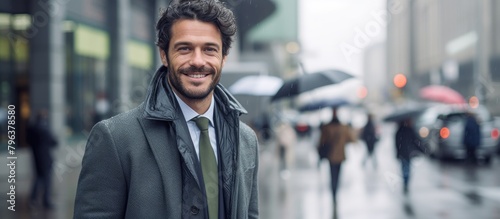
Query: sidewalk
point(302, 190)
point(67, 161)
point(376, 193)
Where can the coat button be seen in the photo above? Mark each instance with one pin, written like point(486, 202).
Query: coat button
point(195, 210)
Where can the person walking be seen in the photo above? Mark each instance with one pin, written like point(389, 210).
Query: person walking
point(335, 136)
point(42, 141)
point(286, 140)
point(183, 152)
point(407, 146)
point(472, 137)
point(370, 137)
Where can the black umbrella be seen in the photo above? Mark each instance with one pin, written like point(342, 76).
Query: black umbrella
point(332, 103)
point(403, 114)
point(309, 82)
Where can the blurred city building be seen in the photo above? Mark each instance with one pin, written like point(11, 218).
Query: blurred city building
point(86, 60)
point(82, 59)
point(447, 42)
point(268, 44)
point(375, 74)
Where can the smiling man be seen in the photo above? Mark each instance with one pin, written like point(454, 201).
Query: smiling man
point(182, 153)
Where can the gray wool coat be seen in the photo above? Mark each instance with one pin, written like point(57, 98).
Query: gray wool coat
point(142, 163)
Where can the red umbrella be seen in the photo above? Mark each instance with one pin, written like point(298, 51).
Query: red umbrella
point(441, 94)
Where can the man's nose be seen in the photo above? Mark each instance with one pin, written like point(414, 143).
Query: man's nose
point(198, 59)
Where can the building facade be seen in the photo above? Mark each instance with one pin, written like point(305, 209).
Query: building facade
point(85, 60)
point(447, 42)
point(82, 60)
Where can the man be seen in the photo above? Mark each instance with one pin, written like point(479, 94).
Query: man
point(335, 136)
point(42, 142)
point(408, 146)
point(154, 161)
point(472, 137)
point(370, 137)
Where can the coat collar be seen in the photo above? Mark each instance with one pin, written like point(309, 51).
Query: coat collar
point(161, 104)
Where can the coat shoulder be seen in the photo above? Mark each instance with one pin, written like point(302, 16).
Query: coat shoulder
point(123, 120)
point(246, 131)
point(122, 127)
point(248, 138)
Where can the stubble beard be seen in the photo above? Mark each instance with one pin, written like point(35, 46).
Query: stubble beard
point(175, 81)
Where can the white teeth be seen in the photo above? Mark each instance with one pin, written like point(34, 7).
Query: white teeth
point(197, 76)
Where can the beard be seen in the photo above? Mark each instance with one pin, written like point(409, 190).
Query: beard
point(175, 80)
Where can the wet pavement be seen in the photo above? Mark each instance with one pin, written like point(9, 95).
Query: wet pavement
point(441, 190)
point(447, 189)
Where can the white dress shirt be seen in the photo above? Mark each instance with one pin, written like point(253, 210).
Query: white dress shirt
point(194, 131)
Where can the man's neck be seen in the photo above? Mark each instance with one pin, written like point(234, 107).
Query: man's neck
point(200, 106)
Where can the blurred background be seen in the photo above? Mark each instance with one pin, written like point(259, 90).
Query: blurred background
point(87, 60)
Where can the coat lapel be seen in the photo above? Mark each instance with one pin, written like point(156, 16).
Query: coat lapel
point(186, 149)
point(168, 160)
point(159, 137)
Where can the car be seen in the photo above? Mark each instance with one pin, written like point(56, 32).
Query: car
point(496, 122)
point(446, 134)
point(301, 123)
point(426, 124)
point(302, 128)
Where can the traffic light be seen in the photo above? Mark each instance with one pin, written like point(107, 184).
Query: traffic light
point(400, 80)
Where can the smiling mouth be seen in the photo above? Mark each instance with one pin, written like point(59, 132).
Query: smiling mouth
point(197, 75)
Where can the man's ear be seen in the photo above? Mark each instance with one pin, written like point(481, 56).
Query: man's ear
point(163, 57)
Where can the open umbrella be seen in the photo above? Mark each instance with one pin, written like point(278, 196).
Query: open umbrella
point(403, 114)
point(322, 104)
point(441, 94)
point(309, 82)
point(256, 85)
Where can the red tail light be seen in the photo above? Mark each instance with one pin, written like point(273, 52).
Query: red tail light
point(495, 133)
point(444, 132)
point(302, 128)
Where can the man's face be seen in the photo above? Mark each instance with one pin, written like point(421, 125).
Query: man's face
point(194, 59)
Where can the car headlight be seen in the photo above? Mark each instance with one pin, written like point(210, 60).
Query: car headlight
point(423, 132)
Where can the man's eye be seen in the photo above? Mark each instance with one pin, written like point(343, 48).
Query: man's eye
point(183, 49)
point(209, 49)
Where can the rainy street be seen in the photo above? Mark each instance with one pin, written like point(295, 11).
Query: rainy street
point(437, 189)
point(116, 99)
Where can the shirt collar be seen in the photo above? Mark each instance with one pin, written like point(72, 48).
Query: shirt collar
point(189, 113)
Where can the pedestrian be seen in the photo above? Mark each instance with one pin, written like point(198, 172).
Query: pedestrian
point(183, 152)
point(335, 136)
point(42, 142)
point(286, 140)
point(370, 137)
point(407, 146)
point(472, 137)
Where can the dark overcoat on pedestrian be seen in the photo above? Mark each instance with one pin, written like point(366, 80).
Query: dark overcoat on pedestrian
point(407, 142)
point(42, 141)
point(369, 136)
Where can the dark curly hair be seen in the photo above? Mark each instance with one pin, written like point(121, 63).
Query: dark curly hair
point(211, 11)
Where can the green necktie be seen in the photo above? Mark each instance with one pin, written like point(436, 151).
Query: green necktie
point(209, 168)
